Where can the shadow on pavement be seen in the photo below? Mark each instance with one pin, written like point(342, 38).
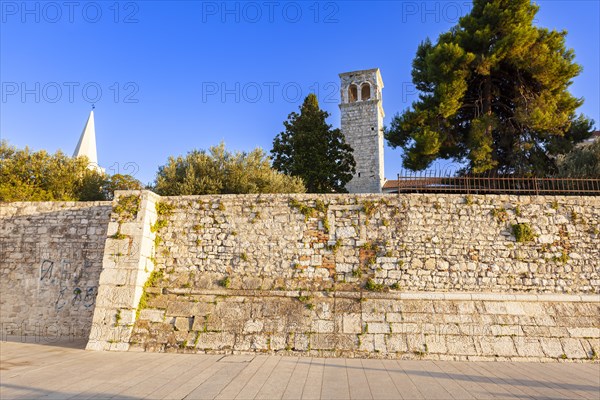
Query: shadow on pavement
point(440, 376)
point(61, 341)
point(11, 391)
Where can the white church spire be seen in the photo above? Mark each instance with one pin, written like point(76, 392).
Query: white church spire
point(87, 144)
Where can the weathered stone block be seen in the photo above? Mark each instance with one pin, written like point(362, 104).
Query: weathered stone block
point(436, 344)
point(586, 332)
point(415, 342)
point(591, 348)
point(366, 342)
point(514, 308)
point(352, 323)
point(347, 306)
point(152, 315)
point(528, 347)
point(215, 340)
point(460, 345)
point(278, 342)
point(373, 317)
point(495, 307)
point(396, 343)
point(183, 323)
point(322, 326)
point(552, 347)
point(378, 327)
point(502, 346)
point(418, 306)
point(301, 342)
point(253, 326)
point(255, 342)
point(573, 348)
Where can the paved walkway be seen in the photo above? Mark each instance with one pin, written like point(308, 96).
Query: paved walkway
point(33, 371)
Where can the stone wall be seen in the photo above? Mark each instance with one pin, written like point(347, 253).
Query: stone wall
point(409, 243)
point(365, 324)
point(50, 261)
point(127, 264)
point(417, 276)
point(409, 276)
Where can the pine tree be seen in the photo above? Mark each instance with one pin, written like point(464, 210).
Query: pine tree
point(310, 149)
point(494, 93)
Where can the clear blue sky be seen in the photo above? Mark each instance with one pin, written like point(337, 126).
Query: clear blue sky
point(181, 75)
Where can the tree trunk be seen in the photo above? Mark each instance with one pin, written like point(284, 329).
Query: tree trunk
point(487, 104)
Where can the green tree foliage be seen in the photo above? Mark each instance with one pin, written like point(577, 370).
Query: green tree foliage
point(222, 172)
point(493, 92)
point(582, 162)
point(40, 176)
point(311, 150)
point(122, 182)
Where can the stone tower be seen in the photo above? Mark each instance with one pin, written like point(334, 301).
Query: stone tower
point(362, 125)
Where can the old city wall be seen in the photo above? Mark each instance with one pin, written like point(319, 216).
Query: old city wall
point(50, 263)
point(410, 276)
point(418, 276)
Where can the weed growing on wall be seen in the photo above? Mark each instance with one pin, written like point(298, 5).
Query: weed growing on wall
point(574, 216)
point(369, 208)
point(334, 247)
point(311, 212)
point(518, 212)
point(163, 211)
point(500, 214)
point(118, 317)
point(255, 218)
point(303, 209)
point(225, 282)
point(320, 206)
point(152, 280)
point(127, 207)
point(306, 300)
point(372, 286)
point(563, 258)
point(118, 235)
point(523, 232)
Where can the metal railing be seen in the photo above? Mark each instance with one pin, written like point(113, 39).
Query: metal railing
point(441, 182)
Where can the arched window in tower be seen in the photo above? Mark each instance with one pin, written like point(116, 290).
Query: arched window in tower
point(365, 91)
point(352, 93)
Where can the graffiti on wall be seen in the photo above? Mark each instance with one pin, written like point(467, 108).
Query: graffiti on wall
point(74, 282)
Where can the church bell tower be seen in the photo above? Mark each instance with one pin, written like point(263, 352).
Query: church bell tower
point(362, 125)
